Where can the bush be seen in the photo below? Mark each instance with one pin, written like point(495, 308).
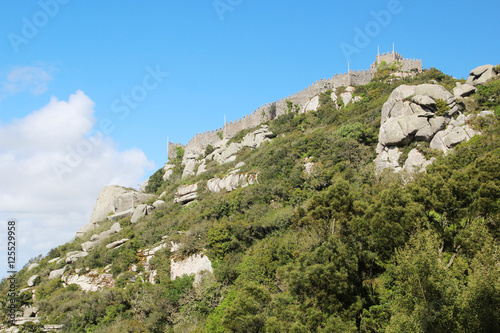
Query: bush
point(441, 107)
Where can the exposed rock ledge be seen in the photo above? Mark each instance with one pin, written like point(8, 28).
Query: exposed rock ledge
point(412, 113)
point(114, 199)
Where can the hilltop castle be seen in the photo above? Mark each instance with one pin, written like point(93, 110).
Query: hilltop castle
point(272, 110)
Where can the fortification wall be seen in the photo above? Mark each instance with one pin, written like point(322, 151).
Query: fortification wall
point(201, 140)
point(411, 64)
point(171, 149)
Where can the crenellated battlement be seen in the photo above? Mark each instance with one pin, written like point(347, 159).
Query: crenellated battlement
point(263, 114)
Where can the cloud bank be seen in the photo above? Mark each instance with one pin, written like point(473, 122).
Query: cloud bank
point(53, 164)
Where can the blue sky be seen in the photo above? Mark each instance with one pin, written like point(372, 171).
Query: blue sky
point(70, 71)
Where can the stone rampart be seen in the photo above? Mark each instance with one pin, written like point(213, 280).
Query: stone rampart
point(201, 140)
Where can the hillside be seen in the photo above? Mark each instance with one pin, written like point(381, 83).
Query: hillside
point(377, 210)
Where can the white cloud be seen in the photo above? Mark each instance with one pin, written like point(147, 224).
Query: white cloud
point(52, 172)
point(21, 78)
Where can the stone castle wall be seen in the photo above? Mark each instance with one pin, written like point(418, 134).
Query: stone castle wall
point(263, 114)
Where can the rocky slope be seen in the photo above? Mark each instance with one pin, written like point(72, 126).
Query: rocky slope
point(238, 221)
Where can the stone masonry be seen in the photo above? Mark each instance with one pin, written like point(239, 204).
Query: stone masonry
point(263, 114)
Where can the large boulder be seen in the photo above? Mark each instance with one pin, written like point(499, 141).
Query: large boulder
point(416, 161)
point(480, 75)
point(116, 199)
point(118, 216)
point(169, 170)
point(312, 104)
point(139, 212)
point(186, 193)
point(257, 137)
point(231, 182)
point(451, 136)
point(463, 90)
point(189, 168)
point(33, 280)
point(55, 274)
point(105, 202)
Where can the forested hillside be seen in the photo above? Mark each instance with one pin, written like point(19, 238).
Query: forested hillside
point(334, 248)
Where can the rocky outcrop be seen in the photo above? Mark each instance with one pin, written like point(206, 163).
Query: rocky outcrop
point(416, 162)
point(71, 257)
point(146, 255)
point(463, 90)
point(224, 152)
point(227, 153)
point(231, 182)
point(33, 280)
point(55, 274)
point(169, 170)
point(480, 75)
point(420, 113)
point(194, 264)
point(410, 114)
point(141, 211)
point(158, 203)
point(117, 244)
point(312, 104)
point(186, 193)
point(96, 239)
point(189, 165)
point(31, 266)
point(105, 202)
point(348, 97)
point(114, 199)
point(90, 281)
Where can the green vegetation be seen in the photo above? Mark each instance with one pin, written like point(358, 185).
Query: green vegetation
point(441, 107)
point(339, 249)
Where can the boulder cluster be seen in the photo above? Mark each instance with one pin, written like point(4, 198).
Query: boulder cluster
point(426, 112)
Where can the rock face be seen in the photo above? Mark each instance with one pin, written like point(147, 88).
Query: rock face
point(231, 182)
point(96, 239)
point(194, 264)
point(224, 152)
point(113, 199)
point(186, 193)
point(411, 114)
point(416, 162)
point(312, 105)
point(348, 97)
point(480, 75)
point(116, 199)
point(91, 281)
point(141, 211)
